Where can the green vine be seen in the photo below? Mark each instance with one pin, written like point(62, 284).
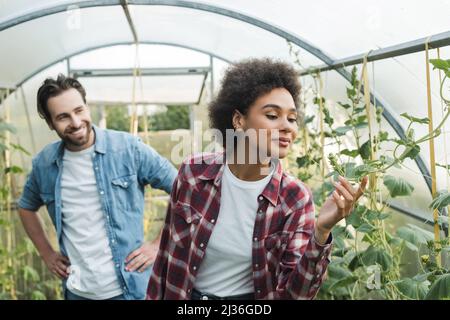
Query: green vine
point(367, 258)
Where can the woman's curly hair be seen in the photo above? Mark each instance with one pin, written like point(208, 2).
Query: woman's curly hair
point(245, 82)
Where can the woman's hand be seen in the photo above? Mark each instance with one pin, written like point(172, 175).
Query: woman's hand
point(338, 206)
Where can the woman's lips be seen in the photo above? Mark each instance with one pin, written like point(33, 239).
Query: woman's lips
point(284, 142)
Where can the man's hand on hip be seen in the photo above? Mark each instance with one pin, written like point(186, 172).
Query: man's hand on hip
point(57, 264)
point(141, 258)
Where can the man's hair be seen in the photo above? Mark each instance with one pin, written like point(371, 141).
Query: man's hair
point(52, 88)
point(244, 83)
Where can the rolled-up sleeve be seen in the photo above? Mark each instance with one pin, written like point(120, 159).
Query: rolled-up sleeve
point(153, 169)
point(30, 198)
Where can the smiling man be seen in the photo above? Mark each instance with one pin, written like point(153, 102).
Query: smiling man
point(92, 182)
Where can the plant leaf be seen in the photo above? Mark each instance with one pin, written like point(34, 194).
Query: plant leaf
point(440, 288)
point(38, 295)
point(440, 64)
point(362, 170)
point(30, 274)
point(351, 153)
point(375, 255)
point(414, 237)
point(361, 125)
point(364, 150)
point(383, 136)
point(13, 169)
point(308, 119)
point(411, 152)
point(343, 282)
point(441, 201)
point(365, 228)
point(412, 288)
point(397, 186)
point(340, 131)
point(351, 92)
point(414, 119)
point(355, 218)
point(328, 119)
point(303, 161)
point(337, 271)
point(345, 105)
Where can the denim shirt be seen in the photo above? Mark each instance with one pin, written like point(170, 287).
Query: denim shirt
point(123, 166)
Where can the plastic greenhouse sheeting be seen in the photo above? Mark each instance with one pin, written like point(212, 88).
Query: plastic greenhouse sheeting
point(36, 34)
point(338, 29)
point(154, 89)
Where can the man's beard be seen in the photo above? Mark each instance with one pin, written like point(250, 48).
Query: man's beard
point(77, 142)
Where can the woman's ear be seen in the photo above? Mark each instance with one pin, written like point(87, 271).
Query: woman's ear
point(238, 120)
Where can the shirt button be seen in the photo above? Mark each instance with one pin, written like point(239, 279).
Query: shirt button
point(255, 239)
point(189, 291)
point(204, 297)
point(202, 245)
point(113, 241)
point(260, 211)
point(258, 291)
point(213, 220)
point(125, 184)
point(96, 168)
point(194, 268)
point(117, 265)
point(260, 198)
point(102, 192)
point(256, 265)
point(188, 220)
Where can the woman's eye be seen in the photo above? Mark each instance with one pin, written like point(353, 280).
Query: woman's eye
point(271, 116)
point(292, 120)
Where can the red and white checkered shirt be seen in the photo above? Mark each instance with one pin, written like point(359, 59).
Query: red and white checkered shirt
point(287, 262)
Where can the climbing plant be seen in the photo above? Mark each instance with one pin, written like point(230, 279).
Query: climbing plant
point(22, 274)
point(367, 255)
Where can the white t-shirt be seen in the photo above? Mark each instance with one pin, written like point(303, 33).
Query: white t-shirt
point(226, 269)
point(84, 236)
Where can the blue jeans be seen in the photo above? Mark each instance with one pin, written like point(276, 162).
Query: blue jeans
point(72, 296)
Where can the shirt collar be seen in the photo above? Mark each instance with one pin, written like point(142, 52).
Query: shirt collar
point(100, 139)
point(270, 192)
point(100, 145)
point(215, 170)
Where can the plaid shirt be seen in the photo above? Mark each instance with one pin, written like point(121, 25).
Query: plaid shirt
point(287, 262)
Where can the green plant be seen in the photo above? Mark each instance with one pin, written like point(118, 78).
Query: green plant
point(176, 117)
point(22, 274)
point(367, 257)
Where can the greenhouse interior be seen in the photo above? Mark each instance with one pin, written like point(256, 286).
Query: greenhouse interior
point(375, 98)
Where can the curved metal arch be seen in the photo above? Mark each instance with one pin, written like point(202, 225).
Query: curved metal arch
point(174, 3)
point(123, 43)
point(55, 9)
point(238, 16)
